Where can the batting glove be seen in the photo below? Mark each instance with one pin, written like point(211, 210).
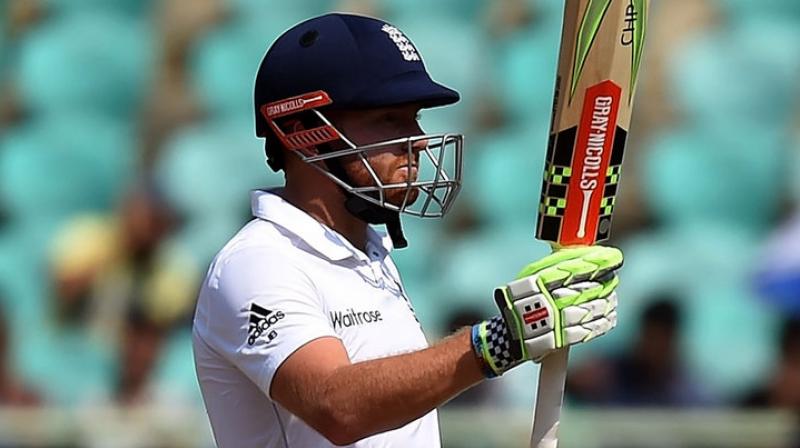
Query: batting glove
point(566, 298)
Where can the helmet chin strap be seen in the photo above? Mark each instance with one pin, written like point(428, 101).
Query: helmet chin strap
point(369, 212)
point(375, 214)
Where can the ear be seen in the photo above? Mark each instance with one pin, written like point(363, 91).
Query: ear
point(297, 125)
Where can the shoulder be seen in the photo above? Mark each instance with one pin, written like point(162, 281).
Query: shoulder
point(257, 266)
point(260, 242)
point(259, 257)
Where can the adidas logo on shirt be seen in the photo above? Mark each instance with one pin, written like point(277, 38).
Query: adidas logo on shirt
point(261, 320)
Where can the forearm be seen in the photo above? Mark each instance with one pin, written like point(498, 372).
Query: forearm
point(378, 395)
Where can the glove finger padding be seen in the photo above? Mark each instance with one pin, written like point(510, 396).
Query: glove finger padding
point(573, 265)
point(561, 300)
point(586, 321)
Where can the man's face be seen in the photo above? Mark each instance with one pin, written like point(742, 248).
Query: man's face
point(391, 164)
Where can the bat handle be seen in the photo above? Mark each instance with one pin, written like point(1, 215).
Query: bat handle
point(547, 416)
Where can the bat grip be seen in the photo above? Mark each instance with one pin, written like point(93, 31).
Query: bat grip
point(550, 395)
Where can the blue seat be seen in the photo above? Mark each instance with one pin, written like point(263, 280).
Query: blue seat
point(740, 75)
point(692, 175)
point(523, 70)
point(21, 270)
point(86, 366)
point(24, 292)
point(745, 9)
point(51, 168)
point(210, 168)
point(503, 174)
point(90, 61)
point(224, 65)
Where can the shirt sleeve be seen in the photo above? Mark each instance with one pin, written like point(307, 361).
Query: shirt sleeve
point(262, 308)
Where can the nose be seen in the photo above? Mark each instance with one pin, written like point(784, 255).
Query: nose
point(419, 145)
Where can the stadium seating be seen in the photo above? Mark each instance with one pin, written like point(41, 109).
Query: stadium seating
point(94, 61)
point(713, 177)
point(55, 166)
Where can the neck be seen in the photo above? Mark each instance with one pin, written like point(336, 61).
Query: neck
point(326, 205)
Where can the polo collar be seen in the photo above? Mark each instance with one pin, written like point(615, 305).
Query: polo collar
point(379, 240)
point(269, 206)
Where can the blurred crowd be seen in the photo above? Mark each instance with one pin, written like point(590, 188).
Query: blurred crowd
point(127, 151)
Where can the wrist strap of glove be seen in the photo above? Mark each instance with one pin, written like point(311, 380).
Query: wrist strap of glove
point(492, 344)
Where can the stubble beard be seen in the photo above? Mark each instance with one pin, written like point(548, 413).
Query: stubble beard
point(397, 196)
point(395, 176)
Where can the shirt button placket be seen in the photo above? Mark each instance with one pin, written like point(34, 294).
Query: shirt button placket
point(376, 271)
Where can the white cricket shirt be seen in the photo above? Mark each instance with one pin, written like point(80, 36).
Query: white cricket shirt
point(284, 280)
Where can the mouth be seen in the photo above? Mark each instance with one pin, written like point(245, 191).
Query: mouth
point(410, 172)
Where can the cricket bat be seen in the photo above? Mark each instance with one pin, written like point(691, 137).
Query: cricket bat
point(599, 60)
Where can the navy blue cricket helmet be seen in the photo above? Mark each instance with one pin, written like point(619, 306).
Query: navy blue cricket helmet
point(360, 62)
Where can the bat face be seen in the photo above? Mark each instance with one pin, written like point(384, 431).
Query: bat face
point(601, 50)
